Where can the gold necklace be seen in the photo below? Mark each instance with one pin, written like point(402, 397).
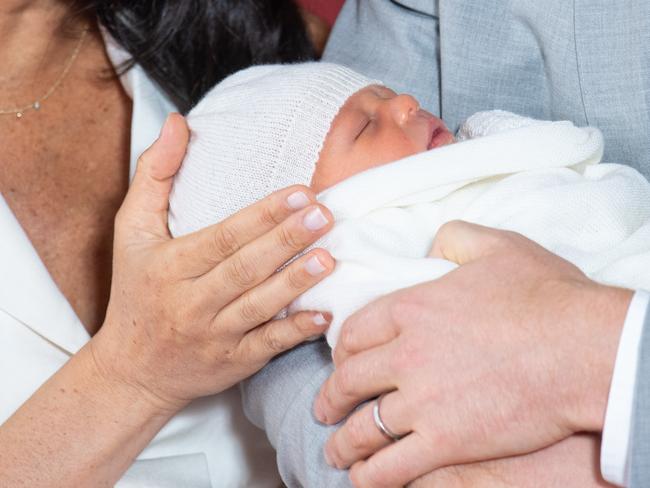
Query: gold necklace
point(36, 105)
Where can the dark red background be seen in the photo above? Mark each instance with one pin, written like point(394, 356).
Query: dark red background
point(325, 9)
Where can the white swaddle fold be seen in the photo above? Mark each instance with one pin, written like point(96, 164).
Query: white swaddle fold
point(541, 179)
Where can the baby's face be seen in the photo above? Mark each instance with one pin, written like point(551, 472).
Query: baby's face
point(374, 127)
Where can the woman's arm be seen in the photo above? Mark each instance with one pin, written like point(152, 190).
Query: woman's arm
point(187, 317)
point(81, 428)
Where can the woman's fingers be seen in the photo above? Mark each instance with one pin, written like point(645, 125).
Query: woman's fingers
point(259, 259)
point(197, 253)
point(144, 211)
point(360, 437)
point(360, 377)
point(264, 302)
point(267, 341)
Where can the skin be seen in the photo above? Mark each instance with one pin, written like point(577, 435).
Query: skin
point(523, 360)
point(374, 127)
point(153, 349)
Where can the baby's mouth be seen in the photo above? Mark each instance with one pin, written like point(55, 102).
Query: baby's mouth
point(440, 137)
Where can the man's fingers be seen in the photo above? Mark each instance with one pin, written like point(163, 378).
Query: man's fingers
point(269, 340)
point(360, 377)
point(360, 437)
point(199, 252)
point(264, 302)
point(145, 206)
point(370, 327)
point(462, 242)
point(396, 465)
point(259, 259)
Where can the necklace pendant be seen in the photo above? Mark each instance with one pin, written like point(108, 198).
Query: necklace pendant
point(19, 115)
point(37, 105)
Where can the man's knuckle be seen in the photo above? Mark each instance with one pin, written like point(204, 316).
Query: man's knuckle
point(224, 241)
point(405, 310)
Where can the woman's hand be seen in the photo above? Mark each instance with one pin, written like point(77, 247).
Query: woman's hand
point(509, 353)
point(192, 316)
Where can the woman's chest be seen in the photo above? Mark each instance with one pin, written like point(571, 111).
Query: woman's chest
point(64, 176)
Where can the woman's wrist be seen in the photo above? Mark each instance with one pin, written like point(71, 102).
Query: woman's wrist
point(604, 309)
point(123, 377)
point(96, 426)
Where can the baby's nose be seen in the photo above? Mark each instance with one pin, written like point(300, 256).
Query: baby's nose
point(402, 107)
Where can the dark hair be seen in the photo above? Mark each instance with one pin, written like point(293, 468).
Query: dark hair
point(188, 46)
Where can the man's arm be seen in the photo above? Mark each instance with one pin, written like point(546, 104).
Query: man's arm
point(641, 419)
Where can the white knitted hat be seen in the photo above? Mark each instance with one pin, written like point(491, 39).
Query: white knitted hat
point(256, 132)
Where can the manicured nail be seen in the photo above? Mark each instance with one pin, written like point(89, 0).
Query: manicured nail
point(315, 220)
point(314, 267)
point(321, 320)
point(297, 200)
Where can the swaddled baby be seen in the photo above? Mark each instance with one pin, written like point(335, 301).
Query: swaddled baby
point(391, 178)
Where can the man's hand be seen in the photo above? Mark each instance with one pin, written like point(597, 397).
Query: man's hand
point(571, 463)
point(511, 352)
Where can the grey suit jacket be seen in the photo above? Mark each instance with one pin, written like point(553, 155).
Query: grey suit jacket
point(583, 60)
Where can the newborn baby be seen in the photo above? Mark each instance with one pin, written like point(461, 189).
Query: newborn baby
point(387, 171)
point(269, 127)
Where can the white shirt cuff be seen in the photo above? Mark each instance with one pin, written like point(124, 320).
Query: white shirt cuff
point(617, 431)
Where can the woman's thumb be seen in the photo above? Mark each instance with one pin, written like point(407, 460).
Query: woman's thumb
point(145, 206)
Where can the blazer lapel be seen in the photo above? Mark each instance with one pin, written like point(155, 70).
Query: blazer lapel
point(28, 292)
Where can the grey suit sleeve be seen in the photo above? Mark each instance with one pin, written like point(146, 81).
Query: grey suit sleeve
point(394, 41)
point(641, 425)
point(279, 400)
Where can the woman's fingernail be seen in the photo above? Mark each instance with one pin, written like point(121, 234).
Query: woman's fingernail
point(297, 200)
point(314, 267)
point(321, 320)
point(315, 220)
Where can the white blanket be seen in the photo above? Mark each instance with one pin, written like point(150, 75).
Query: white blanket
point(541, 179)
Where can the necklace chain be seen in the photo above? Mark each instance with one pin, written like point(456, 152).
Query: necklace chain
point(36, 105)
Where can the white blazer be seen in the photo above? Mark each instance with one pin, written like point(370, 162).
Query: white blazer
point(208, 444)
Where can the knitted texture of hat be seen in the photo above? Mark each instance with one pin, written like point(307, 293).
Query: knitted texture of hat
point(258, 131)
